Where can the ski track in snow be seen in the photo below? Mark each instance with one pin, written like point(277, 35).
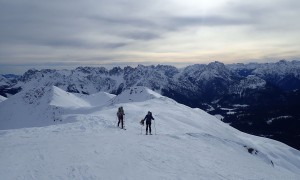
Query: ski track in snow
point(190, 144)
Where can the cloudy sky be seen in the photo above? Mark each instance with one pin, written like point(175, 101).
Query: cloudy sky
point(70, 33)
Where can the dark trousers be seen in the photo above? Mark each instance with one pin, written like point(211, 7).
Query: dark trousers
point(148, 125)
point(121, 120)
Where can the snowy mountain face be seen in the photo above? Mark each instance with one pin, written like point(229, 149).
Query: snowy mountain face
point(82, 141)
point(8, 79)
point(4, 81)
point(246, 95)
point(6, 85)
point(284, 74)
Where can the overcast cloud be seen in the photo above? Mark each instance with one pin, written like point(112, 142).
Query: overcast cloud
point(62, 33)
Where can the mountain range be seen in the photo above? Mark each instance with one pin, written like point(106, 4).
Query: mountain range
point(258, 98)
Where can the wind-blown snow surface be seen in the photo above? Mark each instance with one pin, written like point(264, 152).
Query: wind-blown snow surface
point(190, 144)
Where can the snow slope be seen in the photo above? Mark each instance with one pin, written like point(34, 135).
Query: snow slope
point(42, 106)
point(190, 144)
point(64, 99)
point(2, 98)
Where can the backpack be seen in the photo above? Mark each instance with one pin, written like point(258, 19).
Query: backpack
point(120, 112)
point(142, 122)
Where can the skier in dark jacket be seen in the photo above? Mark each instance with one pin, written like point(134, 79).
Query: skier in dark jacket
point(120, 115)
point(148, 119)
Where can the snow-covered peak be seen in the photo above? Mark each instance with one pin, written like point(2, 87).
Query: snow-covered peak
point(283, 74)
point(281, 67)
point(28, 108)
point(136, 94)
point(4, 81)
point(169, 71)
point(216, 65)
point(211, 71)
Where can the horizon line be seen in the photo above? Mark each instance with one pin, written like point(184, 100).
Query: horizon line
point(110, 66)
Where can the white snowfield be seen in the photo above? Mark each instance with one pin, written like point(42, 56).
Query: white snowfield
point(84, 143)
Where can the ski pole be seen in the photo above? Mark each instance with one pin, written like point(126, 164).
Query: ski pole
point(124, 122)
point(117, 120)
point(154, 127)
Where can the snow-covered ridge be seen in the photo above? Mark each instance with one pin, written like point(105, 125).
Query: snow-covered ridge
point(85, 143)
point(4, 81)
point(135, 94)
point(288, 64)
point(42, 106)
point(62, 98)
point(270, 121)
point(280, 68)
point(250, 82)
